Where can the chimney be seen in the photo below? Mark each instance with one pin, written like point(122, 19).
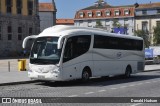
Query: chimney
point(100, 3)
point(136, 5)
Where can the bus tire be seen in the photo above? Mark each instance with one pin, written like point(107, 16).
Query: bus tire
point(86, 75)
point(128, 72)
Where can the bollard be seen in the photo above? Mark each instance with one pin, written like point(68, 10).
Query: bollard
point(9, 66)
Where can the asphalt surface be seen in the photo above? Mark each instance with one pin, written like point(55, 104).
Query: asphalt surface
point(145, 84)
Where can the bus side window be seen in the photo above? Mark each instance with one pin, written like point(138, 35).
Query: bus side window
point(76, 46)
point(68, 50)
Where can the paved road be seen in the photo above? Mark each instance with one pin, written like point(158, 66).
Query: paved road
point(145, 84)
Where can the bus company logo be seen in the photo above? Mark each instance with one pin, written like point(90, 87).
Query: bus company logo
point(119, 55)
point(6, 100)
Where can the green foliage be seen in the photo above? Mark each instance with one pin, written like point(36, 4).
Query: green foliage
point(144, 35)
point(98, 23)
point(116, 23)
point(156, 35)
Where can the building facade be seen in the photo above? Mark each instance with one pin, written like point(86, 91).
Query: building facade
point(147, 16)
point(47, 14)
point(109, 17)
point(18, 19)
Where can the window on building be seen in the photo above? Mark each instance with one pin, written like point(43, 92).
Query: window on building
point(108, 13)
point(108, 28)
point(81, 14)
point(89, 23)
point(145, 26)
point(89, 14)
point(158, 23)
point(9, 6)
point(9, 36)
point(126, 21)
point(126, 12)
point(0, 33)
point(81, 23)
point(98, 13)
point(9, 29)
point(30, 7)
point(158, 11)
point(19, 33)
point(19, 29)
point(30, 31)
point(144, 12)
point(19, 6)
point(116, 12)
point(107, 25)
point(19, 36)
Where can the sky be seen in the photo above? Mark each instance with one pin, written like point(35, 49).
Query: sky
point(68, 8)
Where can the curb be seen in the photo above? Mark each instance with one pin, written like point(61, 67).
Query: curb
point(17, 83)
point(151, 70)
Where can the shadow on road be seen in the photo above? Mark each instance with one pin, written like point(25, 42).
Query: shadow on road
point(98, 82)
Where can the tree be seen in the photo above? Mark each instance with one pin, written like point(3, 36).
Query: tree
point(98, 23)
point(156, 35)
point(144, 35)
point(116, 23)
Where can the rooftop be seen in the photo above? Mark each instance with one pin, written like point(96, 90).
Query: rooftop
point(140, 6)
point(44, 7)
point(64, 21)
point(149, 5)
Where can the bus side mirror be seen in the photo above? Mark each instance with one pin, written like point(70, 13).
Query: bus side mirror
point(26, 39)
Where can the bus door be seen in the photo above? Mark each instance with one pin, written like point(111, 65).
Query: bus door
point(75, 54)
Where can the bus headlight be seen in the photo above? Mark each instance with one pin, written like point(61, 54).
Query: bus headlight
point(56, 71)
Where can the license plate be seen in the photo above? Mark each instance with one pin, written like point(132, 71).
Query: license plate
point(41, 76)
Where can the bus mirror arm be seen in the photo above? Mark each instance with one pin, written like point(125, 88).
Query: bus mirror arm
point(26, 39)
point(60, 41)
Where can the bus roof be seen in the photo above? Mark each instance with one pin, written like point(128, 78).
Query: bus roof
point(59, 30)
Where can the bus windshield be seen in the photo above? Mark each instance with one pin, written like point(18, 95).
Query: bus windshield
point(44, 51)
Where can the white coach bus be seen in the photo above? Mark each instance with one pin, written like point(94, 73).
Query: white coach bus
point(63, 53)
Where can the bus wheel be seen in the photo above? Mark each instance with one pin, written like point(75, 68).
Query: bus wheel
point(128, 72)
point(85, 75)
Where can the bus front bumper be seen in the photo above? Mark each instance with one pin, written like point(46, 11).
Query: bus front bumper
point(44, 76)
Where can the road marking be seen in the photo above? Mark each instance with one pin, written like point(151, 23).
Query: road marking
point(101, 90)
point(147, 82)
point(139, 83)
point(73, 96)
point(132, 85)
point(123, 86)
point(113, 88)
point(154, 81)
point(87, 93)
point(137, 104)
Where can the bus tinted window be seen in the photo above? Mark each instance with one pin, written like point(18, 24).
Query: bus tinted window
point(76, 46)
point(107, 42)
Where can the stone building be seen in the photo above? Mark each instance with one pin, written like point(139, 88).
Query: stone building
point(47, 14)
point(18, 19)
point(147, 16)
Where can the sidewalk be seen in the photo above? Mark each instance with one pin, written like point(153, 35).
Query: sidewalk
point(152, 67)
point(14, 76)
point(17, 77)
